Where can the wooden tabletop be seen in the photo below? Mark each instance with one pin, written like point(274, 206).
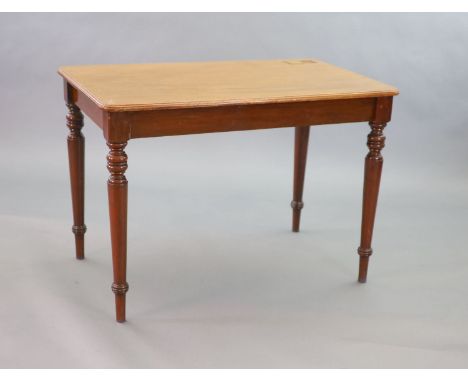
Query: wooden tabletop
point(135, 87)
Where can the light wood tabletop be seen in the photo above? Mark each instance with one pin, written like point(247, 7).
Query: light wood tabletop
point(181, 85)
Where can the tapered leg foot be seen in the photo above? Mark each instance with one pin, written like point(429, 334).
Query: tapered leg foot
point(363, 264)
point(120, 308)
point(79, 232)
point(117, 191)
point(301, 142)
point(76, 144)
point(119, 291)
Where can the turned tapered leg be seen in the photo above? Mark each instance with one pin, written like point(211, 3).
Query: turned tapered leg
point(301, 142)
point(117, 192)
point(372, 173)
point(76, 143)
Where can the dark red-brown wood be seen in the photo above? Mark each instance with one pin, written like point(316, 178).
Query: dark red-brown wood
point(76, 144)
point(301, 142)
point(117, 191)
point(372, 173)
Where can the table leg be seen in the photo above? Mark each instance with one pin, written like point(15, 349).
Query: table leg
point(372, 173)
point(76, 144)
point(301, 142)
point(117, 192)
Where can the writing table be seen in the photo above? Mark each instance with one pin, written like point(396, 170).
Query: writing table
point(154, 100)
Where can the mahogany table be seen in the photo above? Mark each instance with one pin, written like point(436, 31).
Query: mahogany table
point(153, 100)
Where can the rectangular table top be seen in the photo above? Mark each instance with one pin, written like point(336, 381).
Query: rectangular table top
point(132, 87)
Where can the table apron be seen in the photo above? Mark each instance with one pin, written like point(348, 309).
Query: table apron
point(245, 117)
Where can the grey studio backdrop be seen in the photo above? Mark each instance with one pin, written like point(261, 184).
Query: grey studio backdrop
point(216, 277)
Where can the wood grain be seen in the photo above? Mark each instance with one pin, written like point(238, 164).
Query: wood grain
point(202, 84)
